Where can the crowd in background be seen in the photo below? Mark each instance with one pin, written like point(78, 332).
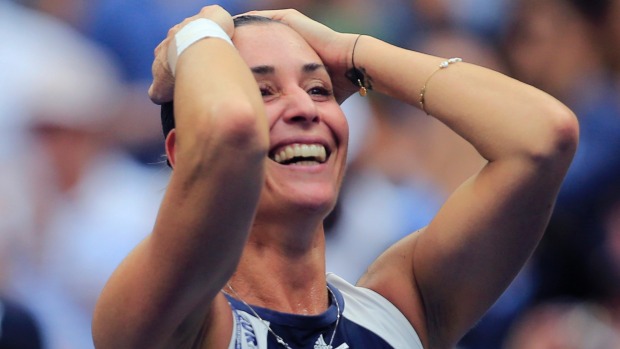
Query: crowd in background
point(84, 174)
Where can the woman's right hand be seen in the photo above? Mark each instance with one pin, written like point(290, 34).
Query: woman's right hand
point(162, 87)
point(334, 48)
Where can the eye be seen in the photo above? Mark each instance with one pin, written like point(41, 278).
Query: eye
point(267, 91)
point(319, 91)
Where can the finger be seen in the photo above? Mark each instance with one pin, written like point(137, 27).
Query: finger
point(155, 98)
point(155, 93)
point(220, 16)
point(160, 47)
point(151, 94)
point(160, 93)
point(162, 87)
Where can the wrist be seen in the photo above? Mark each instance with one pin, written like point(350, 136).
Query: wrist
point(356, 73)
point(191, 33)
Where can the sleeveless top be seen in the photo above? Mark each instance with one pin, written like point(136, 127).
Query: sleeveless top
point(368, 321)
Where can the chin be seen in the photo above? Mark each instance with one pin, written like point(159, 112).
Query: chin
point(317, 202)
point(309, 202)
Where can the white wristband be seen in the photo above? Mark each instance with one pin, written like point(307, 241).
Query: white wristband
point(192, 32)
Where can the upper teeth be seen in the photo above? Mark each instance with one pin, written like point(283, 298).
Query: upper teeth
point(289, 152)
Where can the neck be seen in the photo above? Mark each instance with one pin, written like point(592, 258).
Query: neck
point(283, 270)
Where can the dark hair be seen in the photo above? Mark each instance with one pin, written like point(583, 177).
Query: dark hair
point(595, 11)
point(252, 19)
point(167, 109)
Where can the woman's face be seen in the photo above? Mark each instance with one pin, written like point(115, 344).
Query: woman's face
point(307, 128)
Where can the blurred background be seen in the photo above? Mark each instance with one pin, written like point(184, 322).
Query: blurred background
point(84, 174)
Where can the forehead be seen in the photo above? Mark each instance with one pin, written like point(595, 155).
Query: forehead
point(272, 44)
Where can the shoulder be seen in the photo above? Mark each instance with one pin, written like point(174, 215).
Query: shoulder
point(213, 330)
point(391, 277)
point(372, 311)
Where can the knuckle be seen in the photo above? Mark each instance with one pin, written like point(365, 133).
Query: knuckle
point(210, 9)
point(173, 30)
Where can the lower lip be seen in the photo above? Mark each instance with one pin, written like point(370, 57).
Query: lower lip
point(311, 167)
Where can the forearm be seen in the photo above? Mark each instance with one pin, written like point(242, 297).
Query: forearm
point(208, 208)
point(217, 102)
point(500, 116)
point(221, 145)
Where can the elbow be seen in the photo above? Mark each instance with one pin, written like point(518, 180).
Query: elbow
point(243, 126)
point(564, 132)
point(234, 125)
point(560, 138)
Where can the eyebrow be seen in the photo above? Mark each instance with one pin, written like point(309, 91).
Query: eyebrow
point(263, 69)
point(312, 67)
point(269, 69)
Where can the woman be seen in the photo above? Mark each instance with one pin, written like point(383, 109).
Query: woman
point(236, 256)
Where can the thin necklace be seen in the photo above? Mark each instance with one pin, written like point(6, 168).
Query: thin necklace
point(278, 338)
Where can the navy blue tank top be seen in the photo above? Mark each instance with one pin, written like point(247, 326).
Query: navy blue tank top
point(368, 321)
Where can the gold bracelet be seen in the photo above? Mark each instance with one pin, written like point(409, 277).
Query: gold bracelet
point(443, 65)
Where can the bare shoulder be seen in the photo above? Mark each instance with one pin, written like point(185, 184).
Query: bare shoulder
point(206, 327)
point(215, 331)
point(391, 275)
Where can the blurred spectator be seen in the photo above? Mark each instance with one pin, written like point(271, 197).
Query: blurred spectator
point(604, 261)
point(72, 12)
point(389, 20)
point(73, 202)
point(131, 30)
point(485, 18)
point(482, 18)
point(604, 16)
point(559, 46)
point(612, 25)
point(564, 325)
point(553, 45)
point(435, 14)
point(18, 329)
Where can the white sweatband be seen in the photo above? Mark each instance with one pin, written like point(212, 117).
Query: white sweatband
point(195, 30)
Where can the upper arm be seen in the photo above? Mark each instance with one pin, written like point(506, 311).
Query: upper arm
point(454, 270)
point(477, 244)
point(447, 275)
point(168, 283)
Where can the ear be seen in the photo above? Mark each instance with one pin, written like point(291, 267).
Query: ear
point(170, 145)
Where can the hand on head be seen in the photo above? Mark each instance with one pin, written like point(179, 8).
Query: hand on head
point(162, 88)
point(334, 48)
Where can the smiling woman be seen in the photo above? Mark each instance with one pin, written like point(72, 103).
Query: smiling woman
point(257, 142)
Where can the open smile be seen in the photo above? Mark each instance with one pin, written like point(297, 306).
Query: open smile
point(300, 154)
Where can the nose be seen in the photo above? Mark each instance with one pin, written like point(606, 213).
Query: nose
point(300, 107)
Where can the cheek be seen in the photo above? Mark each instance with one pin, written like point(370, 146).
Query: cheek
point(334, 117)
point(272, 110)
point(343, 135)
